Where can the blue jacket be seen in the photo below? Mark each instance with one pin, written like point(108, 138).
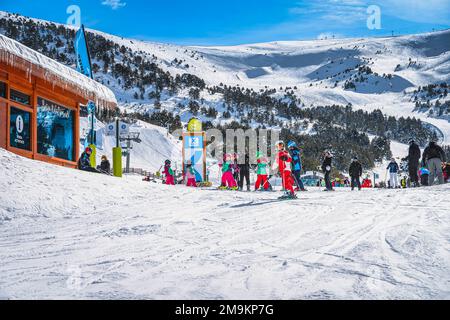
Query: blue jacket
point(296, 159)
point(393, 167)
point(84, 161)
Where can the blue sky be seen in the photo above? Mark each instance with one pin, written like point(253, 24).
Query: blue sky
point(227, 22)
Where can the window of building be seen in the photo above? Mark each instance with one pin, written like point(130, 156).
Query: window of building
point(2, 89)
point(20, 97)
point(20, 129)
point(55, 130)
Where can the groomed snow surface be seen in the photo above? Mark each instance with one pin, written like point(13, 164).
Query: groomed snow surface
point(70, 234)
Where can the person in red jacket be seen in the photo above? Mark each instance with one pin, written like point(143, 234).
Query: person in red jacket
point(283, 163)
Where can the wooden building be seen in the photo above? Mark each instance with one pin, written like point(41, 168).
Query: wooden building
point(40, 103)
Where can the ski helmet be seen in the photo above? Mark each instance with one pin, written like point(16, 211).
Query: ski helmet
point(88, 150)
point(259, 154)
point(291, 144)
point(279, 142)
point(167, 162)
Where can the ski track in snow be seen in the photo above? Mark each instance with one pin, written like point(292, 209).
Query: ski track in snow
point(68, 234)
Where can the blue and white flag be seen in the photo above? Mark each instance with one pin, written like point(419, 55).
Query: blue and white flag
point(82, 53)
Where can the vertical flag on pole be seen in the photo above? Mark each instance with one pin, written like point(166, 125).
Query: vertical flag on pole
point(82, 53)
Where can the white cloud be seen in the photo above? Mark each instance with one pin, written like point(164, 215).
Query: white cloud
point(114, 4)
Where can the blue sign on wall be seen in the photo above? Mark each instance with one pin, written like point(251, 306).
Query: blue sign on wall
point(194, 153)
point(20, 129)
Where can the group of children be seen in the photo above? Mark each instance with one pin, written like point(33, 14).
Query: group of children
point(287, 163)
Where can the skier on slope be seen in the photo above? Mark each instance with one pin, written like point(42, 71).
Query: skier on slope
point(168, 172)
point(326, 168)
point(355, 172)
point(413, 159)
point(262, 172)
point(283, 163)
point(244, 173)
point(295, 153)
point(393, 169)
point(190, 175)
point(433, 156)
point(235, 167)
point(228, 181)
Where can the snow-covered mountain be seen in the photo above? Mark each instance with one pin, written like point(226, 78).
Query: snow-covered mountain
point(272, 84)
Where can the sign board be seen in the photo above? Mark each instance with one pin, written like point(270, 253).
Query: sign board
point(194, 152)
point(124, 129)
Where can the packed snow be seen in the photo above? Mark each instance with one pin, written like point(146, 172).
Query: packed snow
point(71, 234)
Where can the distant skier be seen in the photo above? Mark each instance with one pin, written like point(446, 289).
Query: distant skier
point(326, 168)
point(228, 180)
point(262, 172)
point(295, 153)
point(393, 169)
point(413, 159)
point(190, 175)
point(235, 167)
point(283, 163)
point(244, 173)
point(355, 172)
point(84, 162)
point(433, 156)
point(168, 172)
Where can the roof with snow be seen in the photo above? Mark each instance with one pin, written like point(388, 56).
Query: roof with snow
point(18, 55)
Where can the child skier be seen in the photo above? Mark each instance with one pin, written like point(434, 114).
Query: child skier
point(424, 174)
point(228, 181)
point(190, 175)
point(168, 172)
point(262, 172)
point(295, 153)
point(283, 163)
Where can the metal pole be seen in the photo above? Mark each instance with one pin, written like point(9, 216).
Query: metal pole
point(117, 133)
point(128, 154)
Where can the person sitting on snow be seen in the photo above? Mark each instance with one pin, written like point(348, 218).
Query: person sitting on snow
point(168, 172)
point(84, 163)
point(228, 180)
point(190, 175)
point(105, 165)
point(262, 172)
point(283, 163)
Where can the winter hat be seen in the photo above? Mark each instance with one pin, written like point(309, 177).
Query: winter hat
point(88, 150)
point(167, 162)
point(279, 142)
point(291, 144)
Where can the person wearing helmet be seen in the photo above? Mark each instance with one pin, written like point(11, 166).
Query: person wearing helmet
point(190, 175)
point(295, 153)
point(283, 163)
point(262, 172)
point(326, 168)
point(168, 172)
point(355, 172)
point(84, 162)
point(228, 181)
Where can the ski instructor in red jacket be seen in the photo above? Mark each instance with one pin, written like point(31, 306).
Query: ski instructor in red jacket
point(283, 163)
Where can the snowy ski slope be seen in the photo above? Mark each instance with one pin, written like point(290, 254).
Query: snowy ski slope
point(70, 234)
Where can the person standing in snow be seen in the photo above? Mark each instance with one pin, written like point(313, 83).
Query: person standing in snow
point(326, 168)
point(235, 167)
point(393, 174)
point(190, 175)
point(295, 153)
point(244, 173)
point(355, 172)
point(168, 172)
point(84, 162)
point(433, 156)
point(413, 159)
point(228, 180)
point(283, 163)
point(262, 172)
